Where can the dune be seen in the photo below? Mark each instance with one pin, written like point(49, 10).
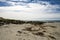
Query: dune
point(28, 30)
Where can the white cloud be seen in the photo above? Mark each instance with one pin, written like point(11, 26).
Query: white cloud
point(31, 11)
point(16, 0)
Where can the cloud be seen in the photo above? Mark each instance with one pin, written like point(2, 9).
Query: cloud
point(25, 2)
point(30, 11)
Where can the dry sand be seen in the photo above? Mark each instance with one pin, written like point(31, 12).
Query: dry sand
point(47, 31)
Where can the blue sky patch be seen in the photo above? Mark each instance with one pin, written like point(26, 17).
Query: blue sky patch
point(4, 4)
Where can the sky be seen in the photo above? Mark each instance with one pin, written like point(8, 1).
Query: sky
point(30, 9)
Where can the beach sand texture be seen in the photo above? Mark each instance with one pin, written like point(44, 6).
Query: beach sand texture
point(46, 31)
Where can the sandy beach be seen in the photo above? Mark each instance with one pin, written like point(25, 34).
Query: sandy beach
point(46, 31)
